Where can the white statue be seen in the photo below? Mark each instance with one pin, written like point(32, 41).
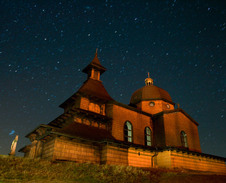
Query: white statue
point(13, 146)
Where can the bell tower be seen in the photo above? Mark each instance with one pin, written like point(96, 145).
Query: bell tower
point(94, 69)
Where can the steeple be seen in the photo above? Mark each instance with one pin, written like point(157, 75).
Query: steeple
point(148, 81)
point(94, 69)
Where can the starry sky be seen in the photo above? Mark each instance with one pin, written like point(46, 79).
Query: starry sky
point(44, 45)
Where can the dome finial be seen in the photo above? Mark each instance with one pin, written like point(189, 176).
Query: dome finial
point(148, 81)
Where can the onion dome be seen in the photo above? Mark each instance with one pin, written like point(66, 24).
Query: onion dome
point(150, 92)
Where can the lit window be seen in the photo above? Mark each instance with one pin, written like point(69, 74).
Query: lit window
point(147, 132)
point(184, 140)
point(128, 132)
point(94, 107)
point(91, 106)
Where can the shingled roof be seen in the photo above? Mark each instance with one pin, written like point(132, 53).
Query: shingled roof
point(86, 132)
point(94, 88)
point(150, 92)
point(91, 88)
point(95, 64)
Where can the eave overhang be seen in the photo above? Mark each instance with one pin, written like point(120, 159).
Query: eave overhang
point(69, 100)
point(96, 66)
point(61, 119)
point(40, 126)
point(130, 108)
point(154, 99)
point(25, 149)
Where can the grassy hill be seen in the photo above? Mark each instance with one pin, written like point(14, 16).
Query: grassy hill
point(18, 169)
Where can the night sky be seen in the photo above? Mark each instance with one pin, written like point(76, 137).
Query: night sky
point(44, 45)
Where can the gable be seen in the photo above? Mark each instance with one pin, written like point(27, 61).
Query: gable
point(176, 111)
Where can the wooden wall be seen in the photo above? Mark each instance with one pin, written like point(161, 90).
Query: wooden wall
point(159, 106)
point(105, 153)
point(139, 121)
point(176, 122)
point(74, 150)
point(197, 162)
point(114, 155)
point(140, 158)
point(175, 159)
point(48, 149)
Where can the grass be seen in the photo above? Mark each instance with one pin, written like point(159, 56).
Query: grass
point(18, 169)
point(25, 170)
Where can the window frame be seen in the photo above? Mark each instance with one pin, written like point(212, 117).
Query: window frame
point(126, 132)
point(184, 139)
point(152, 104)
point(146, 135)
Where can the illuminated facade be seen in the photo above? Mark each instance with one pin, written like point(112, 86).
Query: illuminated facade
point(149, 132)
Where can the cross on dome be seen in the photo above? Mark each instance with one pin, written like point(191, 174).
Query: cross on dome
point(148, 81)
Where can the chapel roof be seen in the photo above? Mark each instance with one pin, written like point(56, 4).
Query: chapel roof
point(150, 92)
point(85, 131)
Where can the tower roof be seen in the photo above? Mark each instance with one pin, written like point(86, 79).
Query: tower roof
point(94, 64)
point(94, 88)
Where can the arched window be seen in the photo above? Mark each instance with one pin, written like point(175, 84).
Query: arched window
point(147, 132)
point(128, 132)
point(183, 137)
